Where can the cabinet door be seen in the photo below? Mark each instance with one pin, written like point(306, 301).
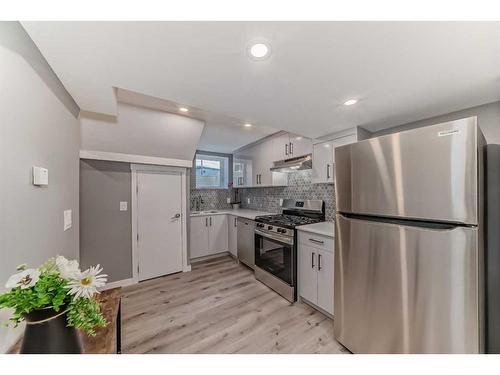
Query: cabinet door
point(253, 155)
point(217, 234)
point(308, 278)
point(299, 145)
point(325, 280)
point(233, 234)
point(281, 147)
point(238, 172)
point(322, 162)
point(198, 236)
point(265, 163)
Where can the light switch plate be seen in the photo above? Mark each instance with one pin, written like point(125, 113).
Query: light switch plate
point(67, 219)
point(281, 202)
point(123, 206)
point(40, 176)
point(228, 200)
point(248, 200)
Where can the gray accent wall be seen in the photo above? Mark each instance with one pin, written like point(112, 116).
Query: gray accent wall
point(105, 231)
point(38, 127)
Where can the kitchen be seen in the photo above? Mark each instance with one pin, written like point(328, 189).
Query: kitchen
point(242, 207)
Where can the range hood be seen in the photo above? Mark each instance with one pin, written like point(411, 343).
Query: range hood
point(293, 165)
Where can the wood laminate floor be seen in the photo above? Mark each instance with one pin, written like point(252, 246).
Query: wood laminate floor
point(219, 307)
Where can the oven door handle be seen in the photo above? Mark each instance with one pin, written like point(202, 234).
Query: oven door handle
point(288, 241)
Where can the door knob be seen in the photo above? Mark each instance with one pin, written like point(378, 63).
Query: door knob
point(176, 216)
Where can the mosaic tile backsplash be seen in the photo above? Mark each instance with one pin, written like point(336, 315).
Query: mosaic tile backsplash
point(300, 186)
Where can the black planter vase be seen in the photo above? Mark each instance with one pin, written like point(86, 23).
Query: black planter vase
point(46, 333)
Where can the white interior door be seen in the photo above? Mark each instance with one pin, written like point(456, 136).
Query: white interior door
point(159, 223)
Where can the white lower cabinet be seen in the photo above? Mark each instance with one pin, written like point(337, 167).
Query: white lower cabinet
point(315, 276)
point(308, 277)
point(198, 236)
point(232, 235)
point(325, 280)
point(208, 235)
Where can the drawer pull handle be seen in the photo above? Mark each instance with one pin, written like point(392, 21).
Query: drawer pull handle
point(316, 241)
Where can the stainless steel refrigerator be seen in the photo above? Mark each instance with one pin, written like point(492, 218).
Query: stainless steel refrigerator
point(409, 241)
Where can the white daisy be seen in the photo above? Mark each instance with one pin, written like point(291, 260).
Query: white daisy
point(24, 279)
point(87, 283)
point(68, 269)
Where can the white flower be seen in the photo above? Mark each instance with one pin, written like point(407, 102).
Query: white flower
point(88, 282)
point(24, 279)
point(68, 269)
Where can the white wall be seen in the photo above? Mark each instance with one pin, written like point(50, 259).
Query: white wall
point(38, 126)
point(141, 131)
point(488, 120)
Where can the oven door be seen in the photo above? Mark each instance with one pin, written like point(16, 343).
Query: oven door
point(274, 254)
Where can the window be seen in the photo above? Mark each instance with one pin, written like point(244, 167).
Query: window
point(212, 172)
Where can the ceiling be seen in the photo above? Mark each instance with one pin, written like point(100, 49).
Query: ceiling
point(400, 71)
point(220, 134)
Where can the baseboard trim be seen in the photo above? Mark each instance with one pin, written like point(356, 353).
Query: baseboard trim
point(119, 283)
point(187, 268)
point(315, 307)
point(212, 256)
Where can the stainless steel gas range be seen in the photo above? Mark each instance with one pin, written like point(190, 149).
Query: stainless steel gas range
point(276, 244)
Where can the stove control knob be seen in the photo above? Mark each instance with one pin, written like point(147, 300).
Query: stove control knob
point(269, 227)
point(260, 225)
point(282, 230)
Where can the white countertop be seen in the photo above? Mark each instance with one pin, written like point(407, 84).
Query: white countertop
point(240, 212)
point(325, 228)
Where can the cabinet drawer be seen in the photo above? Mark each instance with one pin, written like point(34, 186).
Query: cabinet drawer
point(316, 240)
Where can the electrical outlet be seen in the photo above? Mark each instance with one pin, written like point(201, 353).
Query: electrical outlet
point(248, 200)
point(228, 200)
point(281, 202)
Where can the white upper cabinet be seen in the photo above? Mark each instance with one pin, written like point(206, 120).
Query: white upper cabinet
point(300, 146)
point(323, 162)
point(265, 163)
point(242, 171)
point(290, 145)
point(281, 147)
point(324, 153)
point(257, 161)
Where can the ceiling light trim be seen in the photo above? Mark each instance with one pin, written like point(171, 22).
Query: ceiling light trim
point(253, 49)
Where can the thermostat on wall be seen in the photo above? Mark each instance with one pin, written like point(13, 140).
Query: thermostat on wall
point(40, 176)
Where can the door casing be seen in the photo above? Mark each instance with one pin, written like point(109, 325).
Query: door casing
point(135, 169)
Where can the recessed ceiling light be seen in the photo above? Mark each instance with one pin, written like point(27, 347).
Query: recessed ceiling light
point(259, 50)
point(350, 101)
point(183, 109)
point(247, 125)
